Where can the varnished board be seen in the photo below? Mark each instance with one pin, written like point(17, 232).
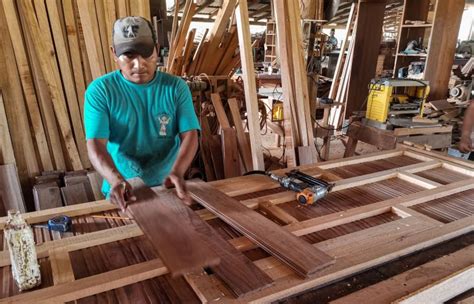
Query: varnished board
point(162, 218)
point(301, 256)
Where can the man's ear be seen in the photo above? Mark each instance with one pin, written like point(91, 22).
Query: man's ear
point(112, 50)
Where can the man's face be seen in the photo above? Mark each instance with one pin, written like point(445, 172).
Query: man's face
point(135, 68)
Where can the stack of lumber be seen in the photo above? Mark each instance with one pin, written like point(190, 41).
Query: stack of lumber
point(49, 52)
point(225, 149)
point(217, 51)
point(447, 113)
point(54, 189)
point(340, 84)
point(299, 138)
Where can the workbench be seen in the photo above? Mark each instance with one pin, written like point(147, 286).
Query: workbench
point(383, 206)
point(435, 137)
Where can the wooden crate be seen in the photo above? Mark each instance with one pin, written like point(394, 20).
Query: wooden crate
point(383, 206)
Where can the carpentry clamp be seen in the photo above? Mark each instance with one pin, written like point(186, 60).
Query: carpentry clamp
point(308, 189)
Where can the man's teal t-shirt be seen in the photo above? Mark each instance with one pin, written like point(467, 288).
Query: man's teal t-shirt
point(141, 122)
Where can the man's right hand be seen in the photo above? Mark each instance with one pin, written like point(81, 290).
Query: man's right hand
point(121, 193)
point(465, 146)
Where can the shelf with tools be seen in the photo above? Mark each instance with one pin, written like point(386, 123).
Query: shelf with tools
point(414, 37)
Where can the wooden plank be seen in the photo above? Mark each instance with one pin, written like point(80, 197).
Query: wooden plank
point(427, 130)
point(74, 51)
point(230, 153)
point(447, 21)
point(443, 290)
point(104, 35)
point(219, 109)
point(176, 226)
point(80, 241)
point(292, 136)
point(61, 266)
point(110, 17)
point(94, 52)
point(435, 141)
point(27, 84)
point(407, 282)
point(6, 146)
point(296, 253)
point(178, 44)
point(94, 284)
point(68, 80)
point(369, 22)
point(273, 211)
point(45, 56)
point(10, 189)
point(244, 148)
point(71, 211)
point(215, 37)
point(251, 101)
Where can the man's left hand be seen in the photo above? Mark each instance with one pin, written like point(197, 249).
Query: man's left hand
point(179, 183)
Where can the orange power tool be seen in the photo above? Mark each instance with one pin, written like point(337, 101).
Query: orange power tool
point(308, 189)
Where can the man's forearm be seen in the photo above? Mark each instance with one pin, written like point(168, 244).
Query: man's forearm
point(468, 122)
point(187, 151)
point(102, 161)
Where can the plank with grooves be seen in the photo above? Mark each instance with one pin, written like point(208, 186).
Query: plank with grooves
point(299, 255)
point(171, 227)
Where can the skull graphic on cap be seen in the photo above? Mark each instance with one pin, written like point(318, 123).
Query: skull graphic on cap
point(130, 30)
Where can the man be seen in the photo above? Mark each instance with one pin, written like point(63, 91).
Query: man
point(139, 122)
point(465, 145)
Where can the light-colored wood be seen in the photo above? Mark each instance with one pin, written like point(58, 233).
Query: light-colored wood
point(74, 51)
point(345, 43)
point(244, 148)
point(68, 80)
point(251, 101)
point(10, 190)
point(27, 84)
point(49, 72)
point(110, 17)
point(418, 180)
point(292, 136)
point(407, 282)
point(6, 147)
point(276, 212)
point(45, 103)
point(219, 109)
point(443, 290)
point(79, 242)
point(61, 266)
point(94, 52)
point(94, 284)
point(23, 146)
point(427, 130)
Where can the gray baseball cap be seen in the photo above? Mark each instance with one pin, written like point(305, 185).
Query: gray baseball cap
point(133, 35)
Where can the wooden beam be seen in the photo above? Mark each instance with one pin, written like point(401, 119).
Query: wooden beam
point(244, 148)
point(280, 243)
point(248, 75)
point(447, 21)
point(366, 49)
point(407, 282)
point(6, 147)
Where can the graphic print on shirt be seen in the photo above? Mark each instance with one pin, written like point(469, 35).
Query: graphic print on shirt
point(164, 119)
